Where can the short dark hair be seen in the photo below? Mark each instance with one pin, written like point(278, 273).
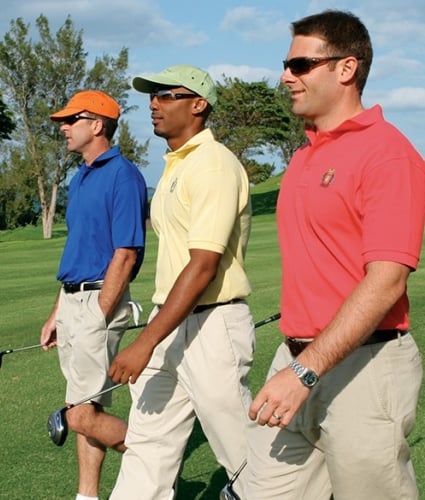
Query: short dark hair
point(343, 34)
point(109, 125)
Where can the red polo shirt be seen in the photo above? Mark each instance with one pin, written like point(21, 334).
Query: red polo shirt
point(352, 195)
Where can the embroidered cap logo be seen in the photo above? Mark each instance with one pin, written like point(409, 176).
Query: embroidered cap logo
point(327, 177)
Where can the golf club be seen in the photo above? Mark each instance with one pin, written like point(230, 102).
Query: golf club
point(227, 493)
point(271, 318)
point(137, 326)
point(9, 351)
point(274, 317)
point(57, 425)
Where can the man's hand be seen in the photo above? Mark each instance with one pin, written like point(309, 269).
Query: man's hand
point(279, 399)
point(188, 288)
point(48, 337)
point(130, 362)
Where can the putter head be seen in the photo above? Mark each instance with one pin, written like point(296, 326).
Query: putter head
point(57, 426)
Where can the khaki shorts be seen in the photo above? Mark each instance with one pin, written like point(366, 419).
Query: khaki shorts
point(87, 344)
point(349, 437)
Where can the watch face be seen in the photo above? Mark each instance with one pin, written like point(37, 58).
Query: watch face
point(310, 379)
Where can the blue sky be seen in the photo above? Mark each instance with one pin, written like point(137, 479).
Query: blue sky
point(247, 39)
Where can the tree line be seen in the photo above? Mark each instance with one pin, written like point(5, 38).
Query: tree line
point(39, 77)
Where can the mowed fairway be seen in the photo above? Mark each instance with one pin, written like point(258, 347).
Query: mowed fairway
point(31, 466)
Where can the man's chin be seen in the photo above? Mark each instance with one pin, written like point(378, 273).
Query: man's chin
point(158, 132)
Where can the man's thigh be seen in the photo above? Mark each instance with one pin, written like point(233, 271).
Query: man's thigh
point(370, 411)
point(283, 463)
point(87, 343)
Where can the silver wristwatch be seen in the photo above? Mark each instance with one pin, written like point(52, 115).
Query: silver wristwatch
point(308, 377)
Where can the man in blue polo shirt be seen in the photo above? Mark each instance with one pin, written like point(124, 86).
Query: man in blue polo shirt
point(106, 215)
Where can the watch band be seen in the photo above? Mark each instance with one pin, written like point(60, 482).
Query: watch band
point(308, 377)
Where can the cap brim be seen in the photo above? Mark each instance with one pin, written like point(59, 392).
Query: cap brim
point(149, 83)
point(64, 113)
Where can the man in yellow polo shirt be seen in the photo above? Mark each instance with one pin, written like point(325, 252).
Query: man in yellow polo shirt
point(194, 356)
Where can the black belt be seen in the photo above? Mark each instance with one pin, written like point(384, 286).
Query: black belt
point(85, 286)
point(205, 307)
point(296, 346)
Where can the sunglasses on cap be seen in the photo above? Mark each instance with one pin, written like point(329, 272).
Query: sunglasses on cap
point(70, 120)
point(301, 65)
point(228, 493)
point(169, 95)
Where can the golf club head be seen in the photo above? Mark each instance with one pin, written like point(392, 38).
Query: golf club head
point(227, 493)
point(57, 426)
point(2, 353)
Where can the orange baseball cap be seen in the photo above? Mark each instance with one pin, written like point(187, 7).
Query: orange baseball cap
point(93, 101)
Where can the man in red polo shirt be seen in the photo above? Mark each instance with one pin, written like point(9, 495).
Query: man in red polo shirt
point(342, 390)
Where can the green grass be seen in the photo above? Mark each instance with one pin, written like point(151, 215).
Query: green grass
point(31, 466)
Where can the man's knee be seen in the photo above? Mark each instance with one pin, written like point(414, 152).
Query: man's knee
point(81, 418)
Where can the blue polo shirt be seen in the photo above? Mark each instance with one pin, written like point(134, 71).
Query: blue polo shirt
point(107, 209)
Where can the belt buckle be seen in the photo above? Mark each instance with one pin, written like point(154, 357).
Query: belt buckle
point(70, 287)
point(296, 346)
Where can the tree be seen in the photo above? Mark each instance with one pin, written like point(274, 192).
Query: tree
point(6, 123)
point(40, 77)
point(253, 119)
point(16, 194)
point(294, 135)
point(130, 148)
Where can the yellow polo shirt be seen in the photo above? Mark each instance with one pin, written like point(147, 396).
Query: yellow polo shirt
point(202, 201)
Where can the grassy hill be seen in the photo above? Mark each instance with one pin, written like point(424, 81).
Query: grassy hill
point(264, 195)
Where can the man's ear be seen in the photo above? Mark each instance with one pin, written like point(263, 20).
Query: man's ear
point(347, 69)
point(98, 126)
point(200, 104)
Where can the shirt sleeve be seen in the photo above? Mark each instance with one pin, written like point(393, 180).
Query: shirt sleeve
point(394, 209)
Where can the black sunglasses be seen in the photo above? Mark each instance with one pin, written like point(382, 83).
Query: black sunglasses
point(228, 493)
point(70, 120)
point(301, 65)
point(169, 95)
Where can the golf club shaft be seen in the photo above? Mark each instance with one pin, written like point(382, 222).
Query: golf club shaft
point(25, 348)
point(260, 323)
point(137, 326)
point(236, 474)
point(104, 391)
point(274, 317)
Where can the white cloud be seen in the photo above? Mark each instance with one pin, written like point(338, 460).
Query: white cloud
point(400, 99)
point(395, 65)
point(254, 24)
point(244, 72)
point(137, 23)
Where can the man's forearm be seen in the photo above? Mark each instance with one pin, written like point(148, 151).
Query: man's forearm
point(358, 317)
point(183, 297)
point(116, 279)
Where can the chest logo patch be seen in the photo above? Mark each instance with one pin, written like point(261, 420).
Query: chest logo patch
point(173, 185)
point(327, 177)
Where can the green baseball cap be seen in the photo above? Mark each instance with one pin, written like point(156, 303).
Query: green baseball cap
point(195, 79)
